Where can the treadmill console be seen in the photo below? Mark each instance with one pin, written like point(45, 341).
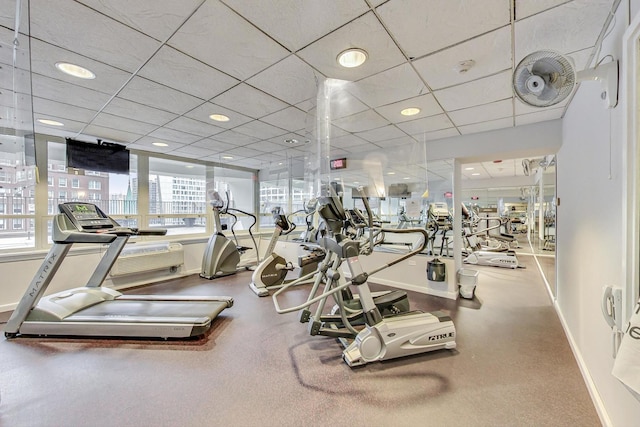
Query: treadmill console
point(86, 216)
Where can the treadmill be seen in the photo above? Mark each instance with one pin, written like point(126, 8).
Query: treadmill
point(94, 310)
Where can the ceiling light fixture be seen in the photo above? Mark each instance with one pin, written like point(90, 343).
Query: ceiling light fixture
point(219, 117)
point(468, 169)
point(475, 174)
point(227, 157)
point(291, 141)
point(50, 122)
point(352, 58)
point(75, 70)
point(160, 144)
point(391, 173)
point(406, 177)
point(411, 111)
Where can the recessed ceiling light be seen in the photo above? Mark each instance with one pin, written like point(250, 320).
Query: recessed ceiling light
point(351, 58)
point(75, 70)
point(50, 122)
point(406, 177)
point(189, 166)
point(227, 157)
point(160, 144)
point(291, 141)
point(219, 117)
point(475, 174)
point(468, 169)
point(391, 173)
point(411, 111)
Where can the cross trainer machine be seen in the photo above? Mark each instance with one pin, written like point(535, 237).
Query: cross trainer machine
point(382, 338)
point(271, 273)
point(95, 310)
point(222, 255)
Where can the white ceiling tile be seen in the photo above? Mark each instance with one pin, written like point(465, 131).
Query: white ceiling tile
point(259, 130)
point(195, 127)
point(364, 33)
point(250, 101)
point(219, 37)
point(487, 126)
point(8, 15)
point(212, 145)
point(426, 103)
point(174, 135)
point(69, 125)
point(195, 152)
point(439, 134)
point(343, 103)
point(179, 71)
point(284, 140)
point(44, 57)
point(67, 93)
point(427, 124)
point(245, 152)
point(389, 86)
point(296, 23)
point(381, 134)
point(541, 31)
point(146, 143)
point(266, 146)
point(422, 27)
point(360, 122)
point(46, 106)
point(128, 125)
point(203, 111)
point(235, 138)
point(247, 163)
point(114, 135)
point(158, 96)
point(477, 92)
point(348, 141)
point(525, 8)
point(541, 116)
point(397, 142)
point(291, 80)
point(481, 113)
point(490, 52)
point(292, 119)
point(157, 18)
point(125, 108)
point(92, 34)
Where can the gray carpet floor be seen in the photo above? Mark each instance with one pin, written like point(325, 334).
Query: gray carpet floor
point(512, 367)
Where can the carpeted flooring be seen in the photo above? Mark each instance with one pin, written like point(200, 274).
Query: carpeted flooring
point(513, 367)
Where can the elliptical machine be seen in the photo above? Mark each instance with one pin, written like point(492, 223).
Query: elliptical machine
point(222, 255)
point(271, 273)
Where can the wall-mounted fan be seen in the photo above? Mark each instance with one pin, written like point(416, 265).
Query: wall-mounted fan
point(545, 78)
point(529, 166)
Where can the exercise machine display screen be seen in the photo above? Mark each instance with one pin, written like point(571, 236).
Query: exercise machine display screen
point(86, 216)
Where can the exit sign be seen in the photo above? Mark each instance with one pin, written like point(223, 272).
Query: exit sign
point(338, 164)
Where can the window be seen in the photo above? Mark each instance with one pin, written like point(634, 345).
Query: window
point(62, 182)
point(236, 186)
point(95, 185)
point(75, 183)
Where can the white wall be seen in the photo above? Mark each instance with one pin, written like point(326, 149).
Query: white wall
point(590, 232)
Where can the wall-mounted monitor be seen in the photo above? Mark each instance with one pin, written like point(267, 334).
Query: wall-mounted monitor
point(100, 157)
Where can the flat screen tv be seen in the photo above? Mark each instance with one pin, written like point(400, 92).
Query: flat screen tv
point(100, 157)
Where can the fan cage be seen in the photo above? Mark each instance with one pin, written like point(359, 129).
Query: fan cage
point(566, 72)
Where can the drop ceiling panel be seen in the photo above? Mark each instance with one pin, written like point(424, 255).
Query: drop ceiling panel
point(259, 130)
point(361, 122)
point(67, 93)
point(395, 144)
point(486, 126)
point(296, 23)
point(348, 141)
point(179, 71)
point(422, 27)
point(292, 119)
point(158, 96)
point(212, 145)
point(194, 152)
point(46, 107)
point(219, 37)
point(235, 138)
point(70, 127)
point(146, 143)
point(344, 104)
point(44, 57)
point(428, 124)
point(125, 108)
point(381, 134)
point(203, 111)
point(102, 38)
point(477, 92)
point(481, 113)
point(174, 135)
point(525, 8)
point(195, 127)
point(249, 100)
point(291, 80)
point(490, 52)
point(244, 152)
point(266, 146)
point(439, 134)
point(115, 135)
point(8, 15)
point(426, 103)
point(157, 18)
point(128, 125)
point(530, 36)
point(365, 33)
point(389, 86)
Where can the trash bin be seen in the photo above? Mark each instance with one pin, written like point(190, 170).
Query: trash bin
point(467, 280)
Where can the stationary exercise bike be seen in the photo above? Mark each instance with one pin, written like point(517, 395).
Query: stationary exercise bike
point(271, 273)
point(222, 255)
